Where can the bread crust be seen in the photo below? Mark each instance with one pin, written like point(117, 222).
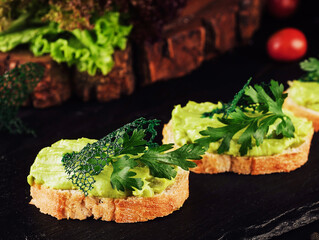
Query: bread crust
point(66, 204)
point(210, 163)
point(302, 111)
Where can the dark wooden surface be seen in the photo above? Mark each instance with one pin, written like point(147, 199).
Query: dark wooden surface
point(226, 206)
point(203, 30)
point(53, 89)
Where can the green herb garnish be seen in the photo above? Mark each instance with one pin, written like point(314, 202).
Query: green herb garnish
point(15, 88)
point(129, 146)
point(227, 108)
point(238, 97)
point(217, 110)
point(311, 66)
point(266, 109)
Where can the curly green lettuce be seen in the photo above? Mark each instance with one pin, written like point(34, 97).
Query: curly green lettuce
point(88, 50)
point(9, 41)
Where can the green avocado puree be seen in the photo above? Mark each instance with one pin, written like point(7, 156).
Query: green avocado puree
point(48, 170)
point(188, 122)
point(305, 94)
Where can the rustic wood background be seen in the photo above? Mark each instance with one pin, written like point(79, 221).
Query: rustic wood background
point(223, 206)
point(203, 30)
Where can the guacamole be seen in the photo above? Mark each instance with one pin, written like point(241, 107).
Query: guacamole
point(188, 122)
point(305, 94)
point(49, 171)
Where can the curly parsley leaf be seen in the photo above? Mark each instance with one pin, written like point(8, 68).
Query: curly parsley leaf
point(82, 166)
point(254, 124)
point(15, 87)
point(311, 66)
point(122, 177)
point(120, 148)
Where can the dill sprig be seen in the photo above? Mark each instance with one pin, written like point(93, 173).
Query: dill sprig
point(217, 110)
point(228, 108)
point(15, 88)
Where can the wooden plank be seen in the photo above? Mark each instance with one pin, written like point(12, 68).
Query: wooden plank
point(53, 89)
point(120, 81)
point(174, 56)
point(249, 17)
point(204, 30)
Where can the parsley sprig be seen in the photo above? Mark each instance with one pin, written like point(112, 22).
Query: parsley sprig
point(126, 148)
point(311, 66)
point(227, 108)
point(261, 107)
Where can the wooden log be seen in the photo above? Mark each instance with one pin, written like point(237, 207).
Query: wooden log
point(220, 28)
point(174, 56)
point(120, 81)
point(249, 17)
point(204, 30)
point(53, 89)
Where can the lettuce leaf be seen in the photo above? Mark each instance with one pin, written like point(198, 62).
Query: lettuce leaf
point(88, 50)
point(9, 41)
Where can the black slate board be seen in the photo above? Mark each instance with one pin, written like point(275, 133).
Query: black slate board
point(223, 206)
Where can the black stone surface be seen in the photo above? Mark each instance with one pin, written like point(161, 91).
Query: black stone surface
point(223, 206)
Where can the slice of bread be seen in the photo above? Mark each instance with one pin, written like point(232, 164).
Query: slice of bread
point(73, 204)
point(302, 111)
point(286, 161)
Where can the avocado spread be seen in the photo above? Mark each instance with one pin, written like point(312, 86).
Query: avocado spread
point(49, 171)
point(188, 122)
point(305, 94)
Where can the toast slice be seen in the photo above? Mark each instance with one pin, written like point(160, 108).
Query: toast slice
point(286, 161)
point(301, 111)
point(66, 204)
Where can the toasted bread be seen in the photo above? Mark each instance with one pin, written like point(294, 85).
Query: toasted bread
point(286, 161)
point(302, 111)
point(73, 204)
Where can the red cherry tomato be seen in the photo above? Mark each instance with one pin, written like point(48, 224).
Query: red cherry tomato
point(282, 8)
point(288, 44)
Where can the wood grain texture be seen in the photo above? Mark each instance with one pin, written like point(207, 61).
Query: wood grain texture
point(120, 81)
point(53, 89)
point(203, 30)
